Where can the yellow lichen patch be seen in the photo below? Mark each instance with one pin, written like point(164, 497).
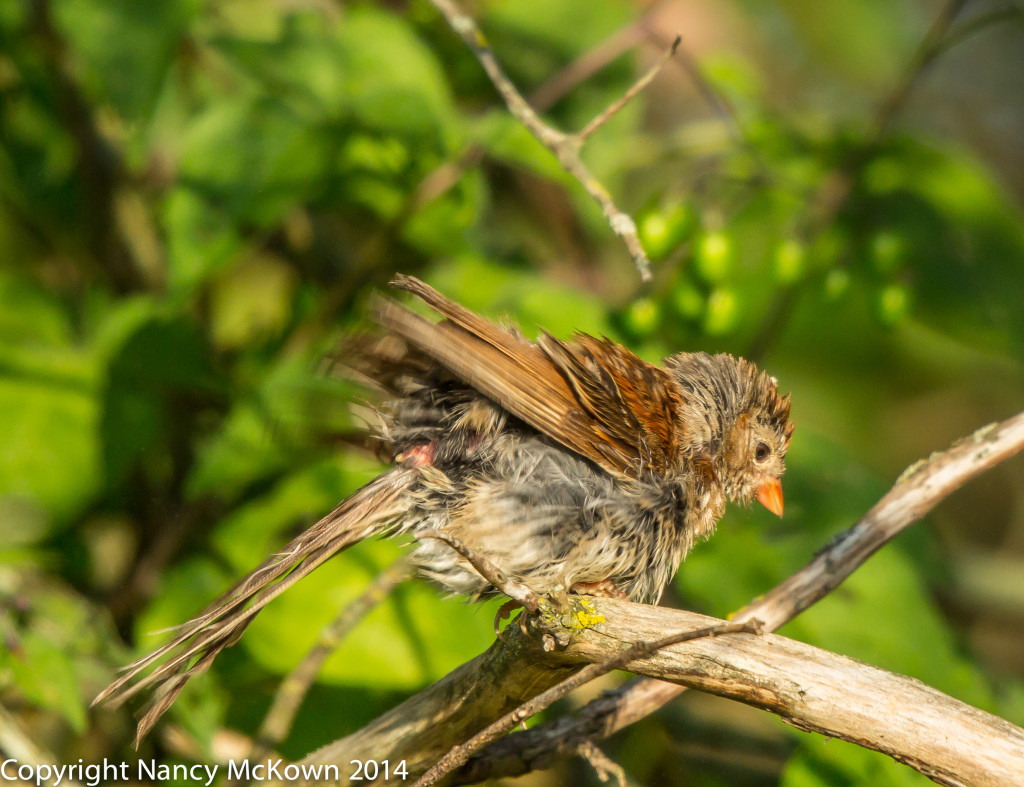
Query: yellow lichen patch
point(585, 615)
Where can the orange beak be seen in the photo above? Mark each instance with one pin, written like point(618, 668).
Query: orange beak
point(770, 496)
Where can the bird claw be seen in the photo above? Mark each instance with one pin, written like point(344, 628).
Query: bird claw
point(504, 613)
point(603, 589)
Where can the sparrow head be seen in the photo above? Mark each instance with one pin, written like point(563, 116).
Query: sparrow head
point(753, 452)
point(735, 414)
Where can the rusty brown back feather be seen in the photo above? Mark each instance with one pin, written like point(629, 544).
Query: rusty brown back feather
point(634, 403)
point(592, 396)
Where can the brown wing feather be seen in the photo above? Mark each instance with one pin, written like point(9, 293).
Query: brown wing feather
point(594, 397)
point(636, 402)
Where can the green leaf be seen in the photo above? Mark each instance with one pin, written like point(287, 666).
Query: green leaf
point(441, 226)
point(252, 302)
point(126, 47)
point(162, 359)
point(392, 81)
point(46, 675)
point(201, 239)
point(254, 156)
point(29, 313)
point(50, 449)
point(53, 645)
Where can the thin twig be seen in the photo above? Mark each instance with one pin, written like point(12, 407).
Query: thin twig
point(603, 765)
point(976, 24)
point(622, 40)
point(564, 146)
point(628, 96)
point(14, 743)
point(512, 588)
point(293, 689)
point(918, 490)
point(458, 755)
point(590, 62)
point(929, 49)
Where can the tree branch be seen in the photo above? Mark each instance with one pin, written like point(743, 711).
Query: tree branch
point(424, 727)
point(810, 688)
point(917, 491)
point(818, 691)
point(564, 146)
point(613, 660)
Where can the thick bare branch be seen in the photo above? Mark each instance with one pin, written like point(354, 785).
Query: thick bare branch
point(810, 688)
point(818, 691)
point(423, 728)
point(918, 490)
point(616, 659)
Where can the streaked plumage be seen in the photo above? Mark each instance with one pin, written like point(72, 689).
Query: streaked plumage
point(569, 465)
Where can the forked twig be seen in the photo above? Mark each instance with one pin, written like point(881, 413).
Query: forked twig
point(565, 147)
point(626, 97)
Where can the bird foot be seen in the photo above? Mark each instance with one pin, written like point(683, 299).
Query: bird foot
point(603, 589)
point(504, 613)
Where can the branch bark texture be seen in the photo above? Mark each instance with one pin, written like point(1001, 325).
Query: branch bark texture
point(918, 490)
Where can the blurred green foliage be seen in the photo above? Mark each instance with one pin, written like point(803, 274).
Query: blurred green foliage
point(196, 198)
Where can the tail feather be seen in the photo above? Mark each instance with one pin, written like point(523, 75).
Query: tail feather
point(368, 511)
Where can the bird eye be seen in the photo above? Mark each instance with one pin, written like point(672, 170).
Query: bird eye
point(761, 452)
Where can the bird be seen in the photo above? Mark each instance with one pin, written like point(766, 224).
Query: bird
point(572, 466)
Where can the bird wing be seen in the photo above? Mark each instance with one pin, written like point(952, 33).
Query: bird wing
point(594, 397)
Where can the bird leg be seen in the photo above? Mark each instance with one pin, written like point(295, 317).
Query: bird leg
point(418, 456)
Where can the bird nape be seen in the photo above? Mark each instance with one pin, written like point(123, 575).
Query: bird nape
point(571, 465)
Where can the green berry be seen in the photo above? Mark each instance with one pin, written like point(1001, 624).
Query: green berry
point(886, 251)
point(663, 230)
point(893, 304)
point(723, 312)
point(790, 259)
point(714, 256)
point(836, 283)
point(688, 300)
point(643, 316)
